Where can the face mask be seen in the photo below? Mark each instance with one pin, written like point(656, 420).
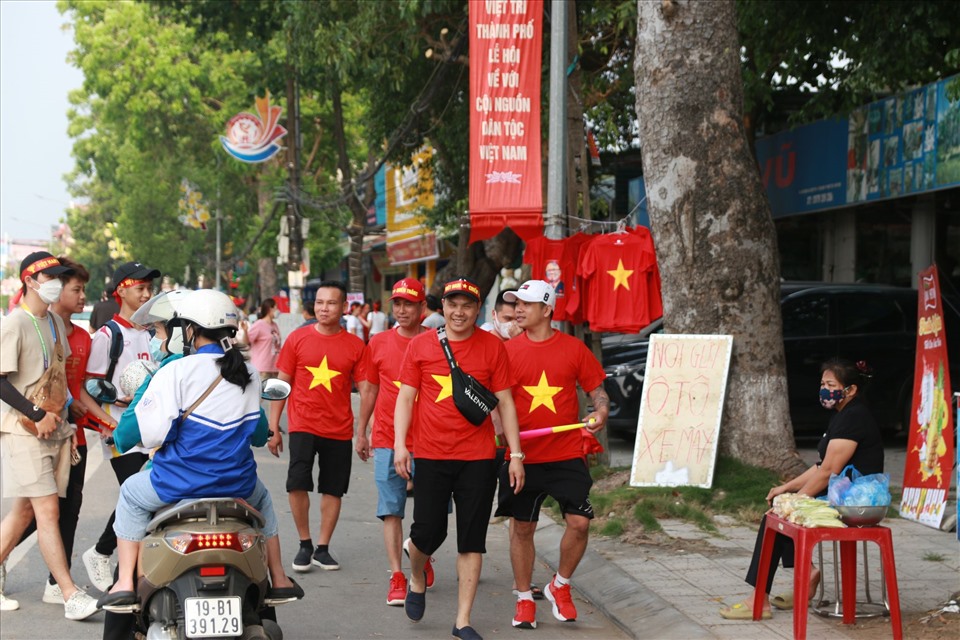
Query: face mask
point(503, 328)
point(830, 397)
point(49, 291)
point(156, 349)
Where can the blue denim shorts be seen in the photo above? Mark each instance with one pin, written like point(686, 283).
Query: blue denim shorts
point(391, 487)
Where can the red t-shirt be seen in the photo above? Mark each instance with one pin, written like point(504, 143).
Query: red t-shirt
point(551, 261)
point(323, 369)
point(442, 432)
point(381, 366)
point(545, 391)
point(76, 369)
point(624, 284)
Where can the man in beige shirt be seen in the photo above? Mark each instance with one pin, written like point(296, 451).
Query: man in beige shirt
point(36, 466)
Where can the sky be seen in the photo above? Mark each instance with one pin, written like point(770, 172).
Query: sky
point(35, 79)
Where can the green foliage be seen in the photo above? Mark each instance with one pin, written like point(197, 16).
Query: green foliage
point(612, 528)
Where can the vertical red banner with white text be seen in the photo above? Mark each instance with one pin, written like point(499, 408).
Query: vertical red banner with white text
point(505, 66)
point(926, 476)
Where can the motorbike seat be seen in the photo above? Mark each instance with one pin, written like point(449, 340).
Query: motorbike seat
point(207, 509)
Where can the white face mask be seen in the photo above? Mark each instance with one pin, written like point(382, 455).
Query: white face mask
point(49, 291)
point(503, 328)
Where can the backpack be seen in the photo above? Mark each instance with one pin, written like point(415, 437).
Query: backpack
point(116, 347)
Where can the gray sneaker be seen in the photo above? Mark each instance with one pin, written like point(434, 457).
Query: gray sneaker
point(80, 606)
point(98, 569)
point(52, 593)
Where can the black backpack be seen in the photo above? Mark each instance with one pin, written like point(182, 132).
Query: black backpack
point(116, 347)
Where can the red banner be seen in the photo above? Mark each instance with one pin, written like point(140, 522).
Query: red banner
point(926, 476)
point(505, 55)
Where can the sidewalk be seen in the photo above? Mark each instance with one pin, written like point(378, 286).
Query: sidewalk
point(654, 591)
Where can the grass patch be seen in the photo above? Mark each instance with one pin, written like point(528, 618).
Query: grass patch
point(933, 557)
point(738, 491)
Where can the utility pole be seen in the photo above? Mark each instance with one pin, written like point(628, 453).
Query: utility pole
point(556, 159)
point(294, 224)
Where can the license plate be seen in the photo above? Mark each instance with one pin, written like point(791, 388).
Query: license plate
point(212, 617)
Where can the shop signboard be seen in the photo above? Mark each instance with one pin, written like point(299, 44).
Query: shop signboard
point(927, 472)
point(505, 73)
point(408, 192)
point(680, 410)
point(898, 146)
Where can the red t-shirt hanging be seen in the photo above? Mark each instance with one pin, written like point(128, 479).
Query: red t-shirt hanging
point(575, 286)
point(381, 366)
point(654, 297)
point(76, 369)
point(620, 268)
point(551, 261)
point(545, 391)
point(442, 432)
point(323, 369)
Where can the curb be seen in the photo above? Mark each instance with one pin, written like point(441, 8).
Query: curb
point(634, 608)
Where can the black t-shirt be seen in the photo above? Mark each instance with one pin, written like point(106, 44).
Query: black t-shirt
point(855, 422)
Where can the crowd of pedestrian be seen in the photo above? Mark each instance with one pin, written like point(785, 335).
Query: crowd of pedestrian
point(436, 390)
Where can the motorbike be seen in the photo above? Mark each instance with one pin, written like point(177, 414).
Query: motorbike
point(203, 569)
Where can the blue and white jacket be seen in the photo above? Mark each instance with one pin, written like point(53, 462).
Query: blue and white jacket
point(209, 453)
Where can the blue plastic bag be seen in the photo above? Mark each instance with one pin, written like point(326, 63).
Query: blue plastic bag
point(857, 490)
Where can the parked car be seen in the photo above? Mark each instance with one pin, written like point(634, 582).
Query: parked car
point(874, 323)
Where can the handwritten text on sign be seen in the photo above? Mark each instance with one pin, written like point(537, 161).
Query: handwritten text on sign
point(680, 410)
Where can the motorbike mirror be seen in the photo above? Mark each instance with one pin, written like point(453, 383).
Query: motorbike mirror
point(274, 389)
point(101, 390)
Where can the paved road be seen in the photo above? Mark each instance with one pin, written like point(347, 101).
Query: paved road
point(340, 604)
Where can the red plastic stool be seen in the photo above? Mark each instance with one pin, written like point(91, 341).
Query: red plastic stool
point(805, 539)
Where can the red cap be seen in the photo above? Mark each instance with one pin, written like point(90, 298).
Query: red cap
point(408, 289)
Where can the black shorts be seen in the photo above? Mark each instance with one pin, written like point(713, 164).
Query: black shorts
point(472, 484)
point(566, 481)
point(334, 458)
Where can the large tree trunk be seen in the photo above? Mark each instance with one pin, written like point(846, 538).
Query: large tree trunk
point(715, 239)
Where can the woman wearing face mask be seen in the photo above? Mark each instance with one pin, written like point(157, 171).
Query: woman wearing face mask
point(852, 437)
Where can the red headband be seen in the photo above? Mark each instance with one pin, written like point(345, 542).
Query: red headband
point(130, 282)
point(39, 265)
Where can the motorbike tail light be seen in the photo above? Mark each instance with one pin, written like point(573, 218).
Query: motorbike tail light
point(248, 540)
point(190, 542)
point(207, 572)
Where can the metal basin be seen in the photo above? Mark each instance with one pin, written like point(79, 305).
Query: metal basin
point(862, 516)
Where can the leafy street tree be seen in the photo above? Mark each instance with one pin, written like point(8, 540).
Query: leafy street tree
point(715, 239)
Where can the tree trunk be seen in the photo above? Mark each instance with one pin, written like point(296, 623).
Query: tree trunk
point(715, 239)
point(359, 221)
point(266, 267)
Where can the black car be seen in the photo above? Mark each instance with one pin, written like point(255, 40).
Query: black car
point(874, 323)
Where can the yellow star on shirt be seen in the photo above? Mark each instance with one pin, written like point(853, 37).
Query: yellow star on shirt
point(543, 394)
point(398, 383)
point(322, 375)
point(621, 276)
point(446, 387)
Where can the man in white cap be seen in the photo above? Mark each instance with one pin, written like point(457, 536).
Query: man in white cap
point(547, 366)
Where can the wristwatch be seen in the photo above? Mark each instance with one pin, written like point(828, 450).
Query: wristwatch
point(519, 455)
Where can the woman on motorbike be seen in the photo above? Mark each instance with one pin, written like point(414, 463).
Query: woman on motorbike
point(204, 452)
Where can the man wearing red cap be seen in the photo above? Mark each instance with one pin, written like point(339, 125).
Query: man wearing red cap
point(378, 397)
point(132, 286)
point(35, 440)
point(454, 457)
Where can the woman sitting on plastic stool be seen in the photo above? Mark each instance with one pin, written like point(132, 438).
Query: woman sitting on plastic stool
point(853, 438)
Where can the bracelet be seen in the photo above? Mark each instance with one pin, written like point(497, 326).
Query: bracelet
point(519, 455)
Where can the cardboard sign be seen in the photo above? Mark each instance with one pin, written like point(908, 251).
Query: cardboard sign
point(680, 410)
point(926, 474)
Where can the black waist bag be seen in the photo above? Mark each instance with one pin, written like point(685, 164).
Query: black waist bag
point(473, 400)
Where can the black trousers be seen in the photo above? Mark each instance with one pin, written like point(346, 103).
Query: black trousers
point(783, 550)
point(123, 467)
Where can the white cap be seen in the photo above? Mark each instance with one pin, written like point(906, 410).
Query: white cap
point(533, 291)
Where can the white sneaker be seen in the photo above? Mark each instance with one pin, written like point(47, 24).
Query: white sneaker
point(52, 593)
point(8, 604)
point(98, 569)
point(80, 606)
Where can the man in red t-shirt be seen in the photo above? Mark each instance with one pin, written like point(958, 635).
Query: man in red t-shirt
point(378, 397)
point(454, 457)
point(321, 362)
point(547, 366)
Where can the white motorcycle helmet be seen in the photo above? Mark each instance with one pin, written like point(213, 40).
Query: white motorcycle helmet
point(164, 308)
point(209, 309)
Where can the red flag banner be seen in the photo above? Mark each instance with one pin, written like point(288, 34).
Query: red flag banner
point(505, 55)
point(926, 475)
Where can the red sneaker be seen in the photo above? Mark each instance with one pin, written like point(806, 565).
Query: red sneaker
point(398, 589)
point(563, 608)
point(428, 573)
point(526, 615)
